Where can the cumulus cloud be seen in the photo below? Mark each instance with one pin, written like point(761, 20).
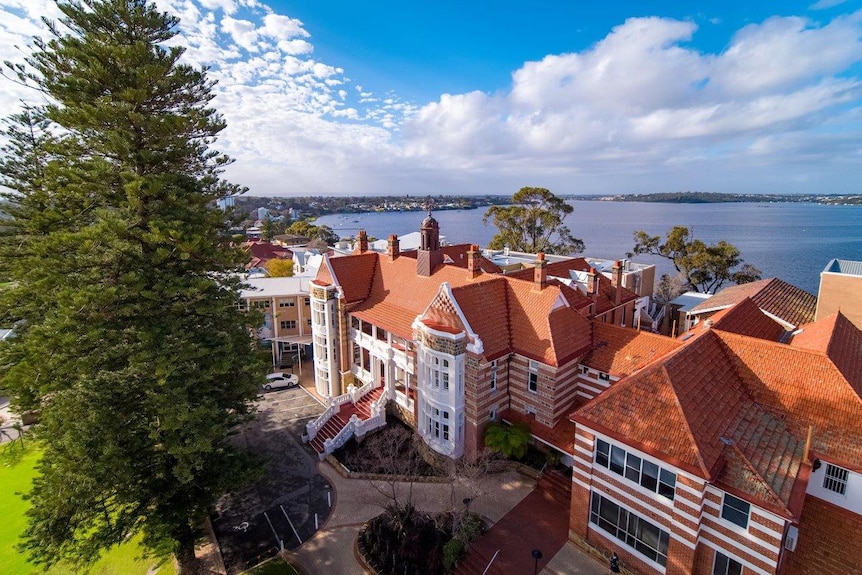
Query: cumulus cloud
point(643, 95)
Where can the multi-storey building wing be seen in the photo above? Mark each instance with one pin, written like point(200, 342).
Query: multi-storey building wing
point(721, 455)
point(454, 346)
point(286, 309)
point(735, 448)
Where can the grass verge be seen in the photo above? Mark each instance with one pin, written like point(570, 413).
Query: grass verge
point(17, 470)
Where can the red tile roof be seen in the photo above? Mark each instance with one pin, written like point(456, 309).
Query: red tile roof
point(838, 338)
point(763, 458)
point(746, 318)
point(621, 351)
point(261, 251)
point(509, 315)
point(726, 407)
point(607, 292)
point(457, 254)
point(354, 275)
point(774, 296)
point(830, 541)
point(808, 388)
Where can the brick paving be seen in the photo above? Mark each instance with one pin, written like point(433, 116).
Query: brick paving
point(330, 551)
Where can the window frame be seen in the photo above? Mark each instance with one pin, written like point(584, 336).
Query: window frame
point(620, 461)
point(724, 565)
point(735, 505)
point(628, 528)
point(493, 370)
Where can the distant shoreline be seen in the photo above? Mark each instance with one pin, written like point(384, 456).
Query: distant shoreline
point(717, 198)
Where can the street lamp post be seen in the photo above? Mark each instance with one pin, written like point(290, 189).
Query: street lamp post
point(536, 555)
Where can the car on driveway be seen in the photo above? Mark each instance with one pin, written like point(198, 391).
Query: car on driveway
point(280, 380)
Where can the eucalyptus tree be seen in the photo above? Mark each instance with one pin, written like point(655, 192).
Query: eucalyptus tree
point(533, 223)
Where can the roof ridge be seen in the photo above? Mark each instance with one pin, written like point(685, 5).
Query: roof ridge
point(776, 499)
point(701, 463)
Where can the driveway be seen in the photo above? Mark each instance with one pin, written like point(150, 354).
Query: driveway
point(288, 504)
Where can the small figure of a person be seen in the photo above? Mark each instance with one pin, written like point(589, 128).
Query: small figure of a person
point(615, 563)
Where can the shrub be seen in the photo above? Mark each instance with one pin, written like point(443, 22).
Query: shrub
point(452, 553)
point(509, 440)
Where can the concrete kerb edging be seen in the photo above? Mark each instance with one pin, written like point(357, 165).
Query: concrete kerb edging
point(347, 474)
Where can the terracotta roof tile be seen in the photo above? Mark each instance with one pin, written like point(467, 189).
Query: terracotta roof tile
point(687, 407)
point(644, 411)
point(771, 452)
point(830, 541)
point(507, 314)
point(840, 340)
point(484, 306)
point(746, 318)
point(774, 296)
point(621, 351)
point(354, 275)
point(806, 386)
point(457, 254)
point(607, 292)
point(530, 313)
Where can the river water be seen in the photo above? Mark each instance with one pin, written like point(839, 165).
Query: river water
point(792, 241)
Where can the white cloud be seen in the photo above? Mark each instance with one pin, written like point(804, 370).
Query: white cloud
point(824, 4)
point(282, 27)
point(243, 32)
point(643, 96)
point(639, 109)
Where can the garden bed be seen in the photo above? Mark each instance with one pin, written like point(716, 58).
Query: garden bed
point(393, 450)
point(403, 540)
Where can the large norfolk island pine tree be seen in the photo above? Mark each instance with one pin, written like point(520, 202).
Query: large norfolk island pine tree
point(127, 337)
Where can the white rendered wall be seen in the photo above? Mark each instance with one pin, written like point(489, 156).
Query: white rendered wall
point(851, 500)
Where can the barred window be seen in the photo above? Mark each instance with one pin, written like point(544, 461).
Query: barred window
point(836, 479)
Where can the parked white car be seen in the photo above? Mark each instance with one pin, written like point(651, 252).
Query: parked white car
point(280, 380)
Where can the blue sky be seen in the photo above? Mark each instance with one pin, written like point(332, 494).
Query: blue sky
point(392, 97)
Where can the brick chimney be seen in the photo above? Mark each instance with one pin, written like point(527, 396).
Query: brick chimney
point(361, 243)
point(473, 268)
point(393, 247)
point(540, 272)
point(617, 281)
point(592, 283)
point(592, 290)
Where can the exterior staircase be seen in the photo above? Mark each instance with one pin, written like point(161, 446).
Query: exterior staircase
point(338, 421)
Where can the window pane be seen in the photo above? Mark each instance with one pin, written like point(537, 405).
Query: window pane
point(735, 510)
point(649, 475)
point(618, 460)
point(669, 478)
point(633, 468)
point(603, 450)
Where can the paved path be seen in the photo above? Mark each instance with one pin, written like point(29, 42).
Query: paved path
point(330, 551)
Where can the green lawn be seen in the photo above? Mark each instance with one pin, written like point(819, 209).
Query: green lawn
point(17, 469)
point(273, 567)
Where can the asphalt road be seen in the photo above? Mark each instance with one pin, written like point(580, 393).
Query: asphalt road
point(288, 504)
